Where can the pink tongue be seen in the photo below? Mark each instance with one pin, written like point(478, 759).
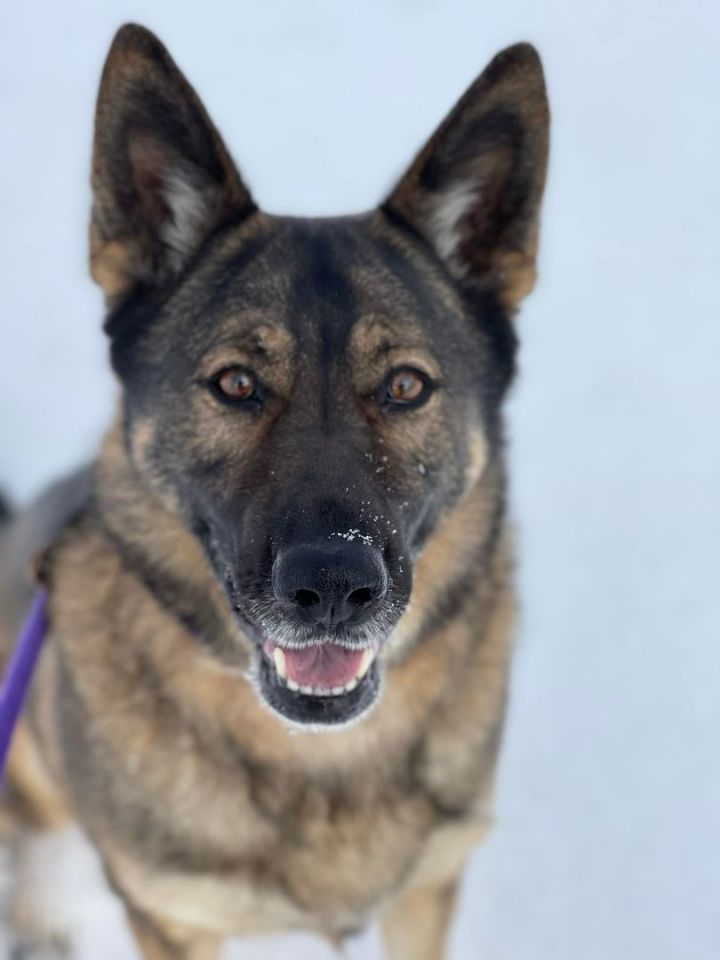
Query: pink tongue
point(324, 665)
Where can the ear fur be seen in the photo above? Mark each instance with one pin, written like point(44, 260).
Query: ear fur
point(474, 191)
point(162, 178)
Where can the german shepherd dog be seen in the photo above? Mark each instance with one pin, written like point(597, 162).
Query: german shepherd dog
point(281, 601)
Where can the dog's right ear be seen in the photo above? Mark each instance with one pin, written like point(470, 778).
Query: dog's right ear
point(162, 178)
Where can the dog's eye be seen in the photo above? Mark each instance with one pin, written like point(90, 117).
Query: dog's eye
point(406, 387)
point(237, 384)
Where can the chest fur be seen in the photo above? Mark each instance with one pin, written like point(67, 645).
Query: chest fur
point(206, 807)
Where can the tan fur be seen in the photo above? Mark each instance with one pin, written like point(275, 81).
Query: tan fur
point(171, 942)
point(43, 806)
point(416, 925)
point(212, 816)
point(373, 836)
point(111, 266)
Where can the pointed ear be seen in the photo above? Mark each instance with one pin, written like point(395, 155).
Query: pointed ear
point(474, 191)
point(162, 178)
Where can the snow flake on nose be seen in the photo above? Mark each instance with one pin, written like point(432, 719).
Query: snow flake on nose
point(353, 534)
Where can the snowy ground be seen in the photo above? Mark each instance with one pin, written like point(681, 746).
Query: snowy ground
point(607, 846)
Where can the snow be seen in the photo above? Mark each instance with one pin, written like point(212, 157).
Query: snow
point(606, 846)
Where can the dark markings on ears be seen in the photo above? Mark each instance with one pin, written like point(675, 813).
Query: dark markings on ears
point(162, 177)
point(474, 191)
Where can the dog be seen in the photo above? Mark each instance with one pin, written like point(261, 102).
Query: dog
point(281, 599)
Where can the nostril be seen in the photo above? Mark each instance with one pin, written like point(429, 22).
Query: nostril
point(329, 585)
point(360, 597)
point(306, 598)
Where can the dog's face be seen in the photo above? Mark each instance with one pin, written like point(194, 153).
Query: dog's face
point(311, 396)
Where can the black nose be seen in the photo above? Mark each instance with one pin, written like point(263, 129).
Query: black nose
point(331, 584)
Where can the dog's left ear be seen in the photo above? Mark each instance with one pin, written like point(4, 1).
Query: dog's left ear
point(474, 190)
point(162, 177)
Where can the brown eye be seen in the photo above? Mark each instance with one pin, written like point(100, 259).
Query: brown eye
point(237, 384)
point(407, 387)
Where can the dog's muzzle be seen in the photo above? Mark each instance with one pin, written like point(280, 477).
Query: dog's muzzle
point(319, 661)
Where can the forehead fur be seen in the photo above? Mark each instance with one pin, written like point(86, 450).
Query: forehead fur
point(337, 292)
point(319, 278)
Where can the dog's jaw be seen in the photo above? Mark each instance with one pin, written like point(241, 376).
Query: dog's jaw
point(322, 710)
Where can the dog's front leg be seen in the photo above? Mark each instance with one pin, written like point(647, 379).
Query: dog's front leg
point(160, 941)
point(415, 926)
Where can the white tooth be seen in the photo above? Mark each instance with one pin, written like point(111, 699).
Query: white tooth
point(367, 659)
point(351, 686)
point(336, 691)
point(279, 658)
point(307, 690)
point(292, 685)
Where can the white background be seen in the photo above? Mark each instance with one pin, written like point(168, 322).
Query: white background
point(607, 845)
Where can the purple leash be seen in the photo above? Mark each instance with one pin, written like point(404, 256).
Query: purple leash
point(20, 670)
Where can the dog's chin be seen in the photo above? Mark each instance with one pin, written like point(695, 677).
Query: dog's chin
point(318, 710)
point(315, 681)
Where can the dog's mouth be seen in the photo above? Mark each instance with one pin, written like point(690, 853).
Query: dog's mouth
point(322, 683)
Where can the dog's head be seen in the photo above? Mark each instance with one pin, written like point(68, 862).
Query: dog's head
point(310, 396)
